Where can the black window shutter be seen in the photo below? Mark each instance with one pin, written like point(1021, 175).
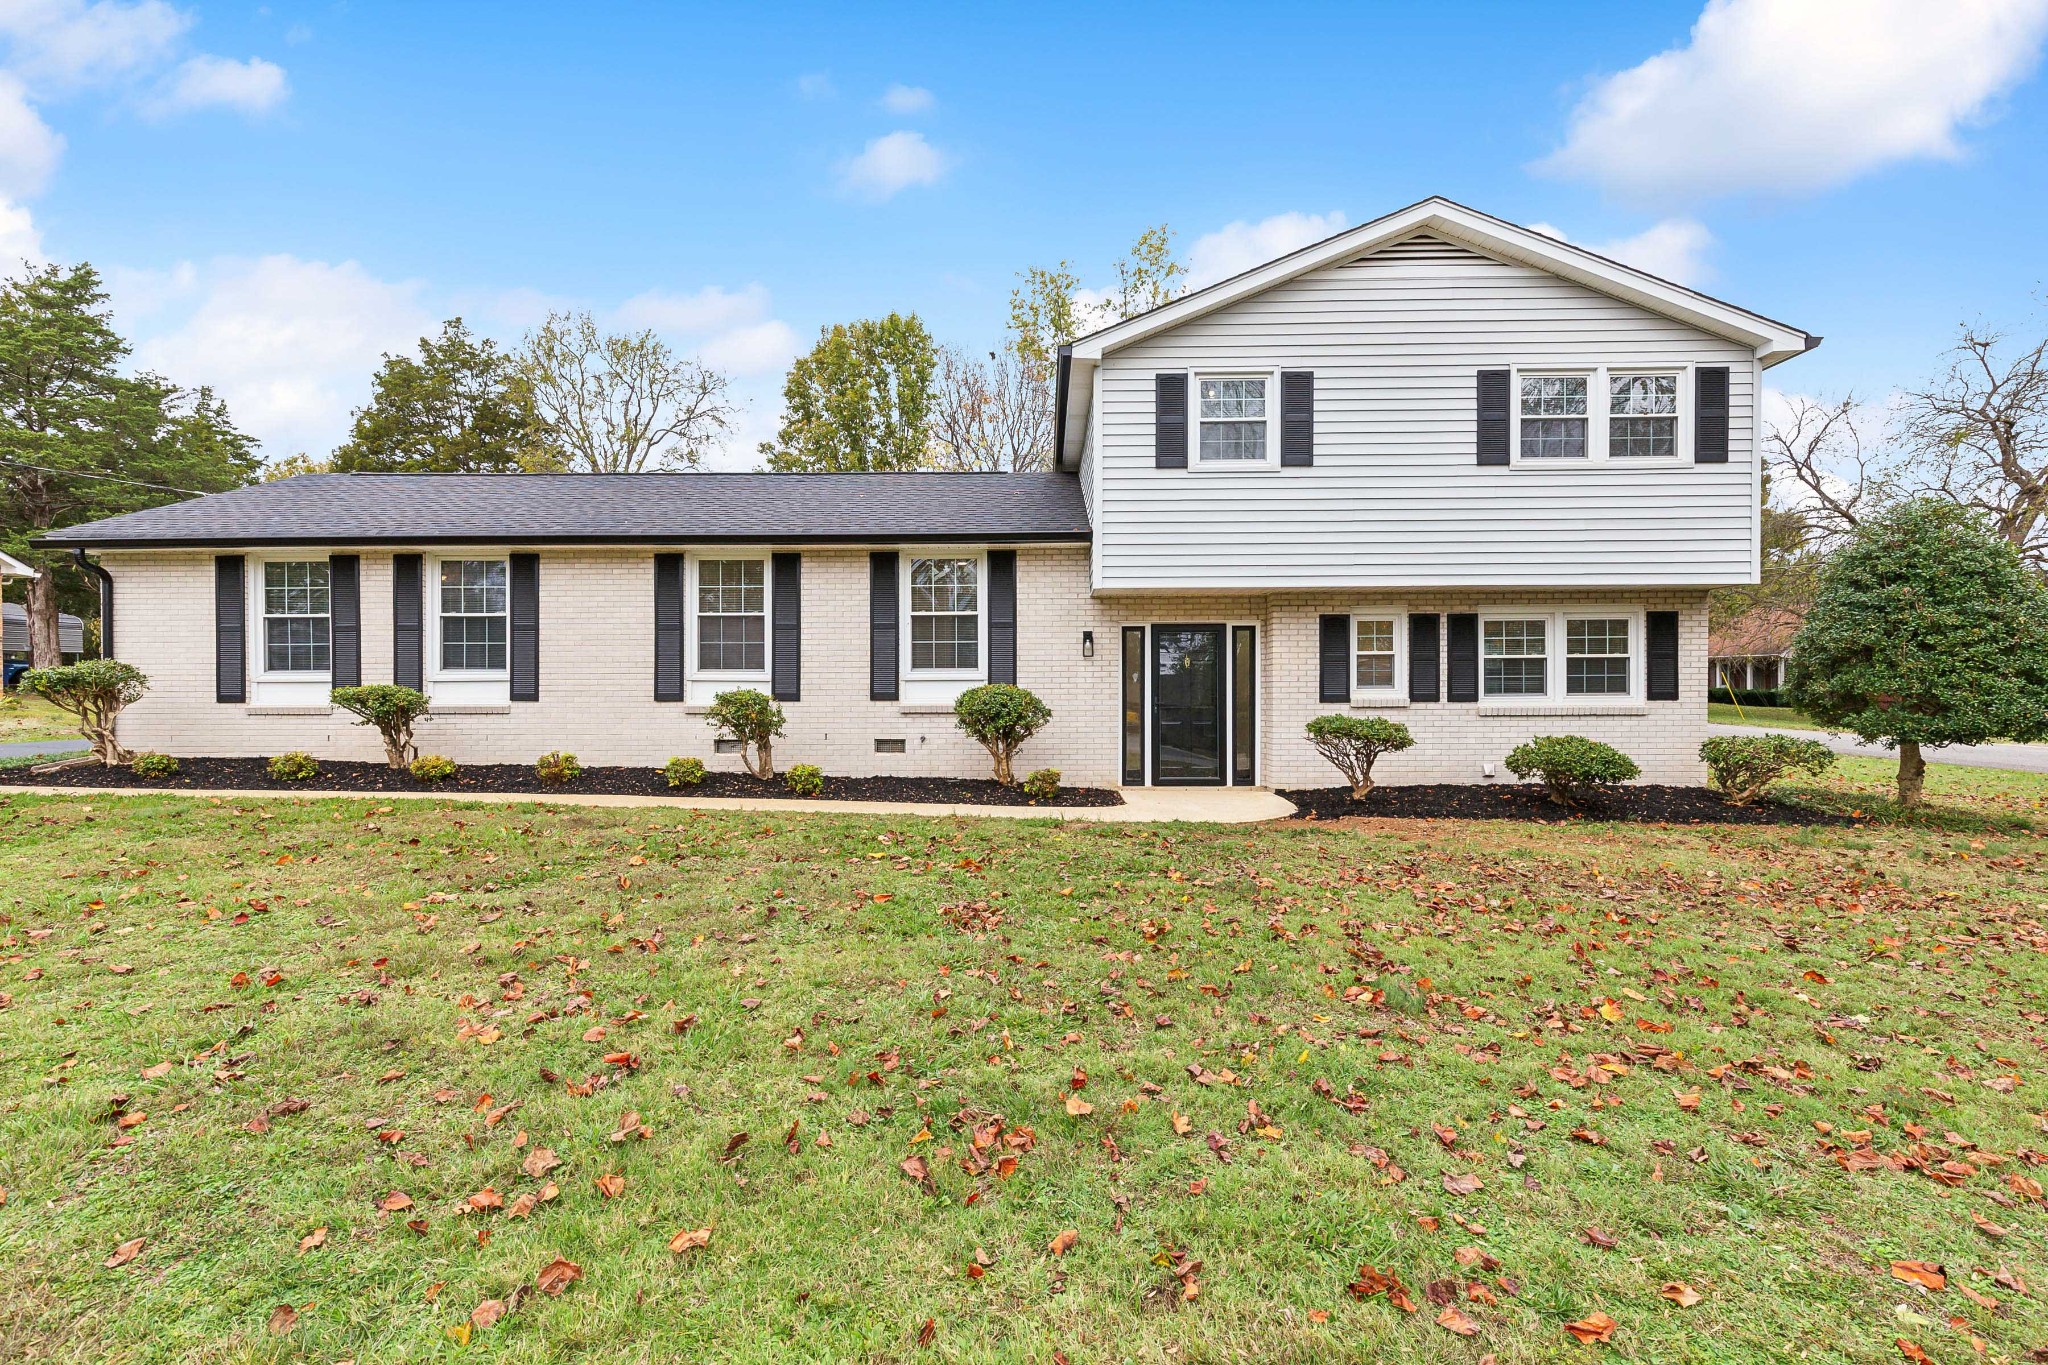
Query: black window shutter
point(230, 631)
point(1462, 652)
point(1297, 418)
point(1170, 421)
point(1334, 676)
point(1493, 417)
point(1660, 648)
point(525, 624)
point(345, 626)
point(1710, 415)
point(668, 628)
point(882, 631)
point(1002, 616)
point(407, 643)
point(1424, 656)
point(786, 627)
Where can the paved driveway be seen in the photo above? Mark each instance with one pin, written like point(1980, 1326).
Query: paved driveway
point(43, 746)
point(2024, 758)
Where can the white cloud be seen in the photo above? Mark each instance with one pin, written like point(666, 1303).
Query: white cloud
point(729, 330)
point(1792, 96)
point(890, 164)
point(816, 86)
point(69, 42)
point(1674, 249)
point(1238, 247)
point(290, 344)
point(19, 240)
point(207, 82)
point(907, 99)
point(709, 309)
point(29, 150)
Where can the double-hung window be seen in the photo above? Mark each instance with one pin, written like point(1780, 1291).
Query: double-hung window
point(1642, 416)
point(945, 615)
point(296, 617)
point(473, 615)
point(1232, 421)
point(732, 615)
point(1554, 418)
point(1596, 656)
point(1514, 654)
point(1375, 665)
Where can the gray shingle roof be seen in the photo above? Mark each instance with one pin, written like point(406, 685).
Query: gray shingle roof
point(410, 509)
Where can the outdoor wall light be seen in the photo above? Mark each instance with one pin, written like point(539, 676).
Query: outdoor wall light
point(1087, 644)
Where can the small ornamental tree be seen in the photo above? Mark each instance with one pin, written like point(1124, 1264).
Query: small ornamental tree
point(752, 718)
point(1926, 630)
point(392, 710)
point(1354, 743)
point(1000, 717)
point(96, 691)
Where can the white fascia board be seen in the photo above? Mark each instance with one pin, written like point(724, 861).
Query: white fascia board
point(1080, 400)
point(1772, 341)
point(10, 567)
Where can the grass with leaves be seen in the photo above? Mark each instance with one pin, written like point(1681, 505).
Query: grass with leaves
point(1539, 1073)
point(25, 718)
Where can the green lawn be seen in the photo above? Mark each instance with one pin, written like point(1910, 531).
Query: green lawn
point(1783, 717)
point(31, 718)
point(1536, 1072)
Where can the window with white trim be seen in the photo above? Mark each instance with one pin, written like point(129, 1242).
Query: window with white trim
point(1514, 656)
point(1642, 416)
point(1231, 417)
point(473, 615)
point(1377, 657)
point(296, 616)
point(1554, 418)
point(1596, 656)
point(945, 614)
point(732, 615)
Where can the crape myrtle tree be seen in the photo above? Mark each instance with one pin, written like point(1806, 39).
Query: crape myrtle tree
point(1927, 628)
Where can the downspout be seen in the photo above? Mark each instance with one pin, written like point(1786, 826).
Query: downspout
point(106, 600)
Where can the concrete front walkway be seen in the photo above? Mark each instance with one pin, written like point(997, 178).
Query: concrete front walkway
point(1142, 805)
point(2021, 758)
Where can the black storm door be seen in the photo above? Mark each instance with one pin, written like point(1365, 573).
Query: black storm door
point(1187, 705)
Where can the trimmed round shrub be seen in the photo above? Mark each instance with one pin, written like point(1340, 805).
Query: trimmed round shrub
point(432, 768)
point(296, 766)
point(1000, 717)
point(1353, 744)
point(683, 772)
point(1572, 767)
point(805, 779)
point(154, 765)
point(96, 691)
point(1743, 765)
point(556, 768)
point(1042, 785)
point(753, 718)
point(392, 710)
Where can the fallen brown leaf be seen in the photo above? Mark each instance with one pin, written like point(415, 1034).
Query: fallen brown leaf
point(1593, 1327)
point(125, 1253)
point(1926, 1274)
point(1064, 1243)
point(283, 1318)
point(690, 1239)
point(1452, 1320)
point(1680, 1293)
point(557, 1275)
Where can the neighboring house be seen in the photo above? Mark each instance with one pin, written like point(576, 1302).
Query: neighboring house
point(1752, 650)
point(14, 634)
point(1437, 467)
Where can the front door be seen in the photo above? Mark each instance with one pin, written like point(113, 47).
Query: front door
point(1187, 705)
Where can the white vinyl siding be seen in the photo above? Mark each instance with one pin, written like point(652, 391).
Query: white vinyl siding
point(1396, 496)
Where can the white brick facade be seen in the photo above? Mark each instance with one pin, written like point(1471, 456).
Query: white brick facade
point(597, 669)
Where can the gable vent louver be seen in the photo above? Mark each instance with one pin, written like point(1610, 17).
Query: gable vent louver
point(1419, 250)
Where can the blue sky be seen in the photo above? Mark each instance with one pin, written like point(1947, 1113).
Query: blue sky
point(278, 193)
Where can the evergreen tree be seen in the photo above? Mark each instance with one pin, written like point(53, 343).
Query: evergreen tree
point(462, 407)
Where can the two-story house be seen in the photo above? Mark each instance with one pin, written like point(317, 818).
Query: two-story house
point(1438, 466)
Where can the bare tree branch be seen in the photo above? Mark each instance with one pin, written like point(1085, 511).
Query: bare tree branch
point(624, 403)
point(1819, 447)
point(991, 415)
point(1983, 428)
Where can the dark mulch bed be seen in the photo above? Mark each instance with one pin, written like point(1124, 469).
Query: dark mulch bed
point(201, 774)
point(1638, 805)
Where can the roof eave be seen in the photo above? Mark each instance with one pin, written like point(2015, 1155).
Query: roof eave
point(1080, 536)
